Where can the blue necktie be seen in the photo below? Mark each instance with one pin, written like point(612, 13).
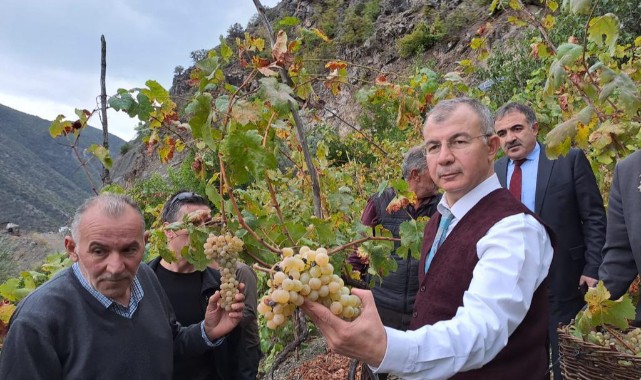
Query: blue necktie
point(443, 225)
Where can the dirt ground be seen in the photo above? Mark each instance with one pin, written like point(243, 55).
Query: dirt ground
point(28, 250)
point(315, 362)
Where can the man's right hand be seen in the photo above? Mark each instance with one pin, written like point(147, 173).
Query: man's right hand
point(363, 338)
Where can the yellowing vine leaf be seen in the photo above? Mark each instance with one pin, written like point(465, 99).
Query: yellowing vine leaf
point(102, 154)
point(558, 139)
point(603, 311)
point(321, 35)
point(604, 31)
point(6, 311)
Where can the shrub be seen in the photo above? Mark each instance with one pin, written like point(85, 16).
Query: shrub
point(422, 38)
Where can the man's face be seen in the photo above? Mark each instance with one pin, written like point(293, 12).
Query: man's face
point(109, 251)
point(421, 183)
point(461, 159)
point(177, 240)
point(517, 138)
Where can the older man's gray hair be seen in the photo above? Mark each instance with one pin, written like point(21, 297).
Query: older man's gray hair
point(113, 205)
point(414, 159)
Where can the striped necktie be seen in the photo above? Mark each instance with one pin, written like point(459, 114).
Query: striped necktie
point(441, 233)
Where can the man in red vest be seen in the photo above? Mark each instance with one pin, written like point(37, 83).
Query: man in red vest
point(481, 309)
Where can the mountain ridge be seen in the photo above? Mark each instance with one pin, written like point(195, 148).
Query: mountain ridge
point(41, 182)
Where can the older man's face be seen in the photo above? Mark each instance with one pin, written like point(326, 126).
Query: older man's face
point(458, 156)
point(109, 251)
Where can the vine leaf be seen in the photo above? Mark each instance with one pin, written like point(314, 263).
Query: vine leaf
point(6, 310)
point(603, 311)
point(245, 157)
point(280, 52)
point(578, 7)
point(411, 232)
point(102, 154)
point(604, 31)
point(278, 94)
point(202, 115)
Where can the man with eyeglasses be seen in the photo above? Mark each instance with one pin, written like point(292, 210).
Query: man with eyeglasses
point(564, 193)
point(395, 294)
point(481, 309)
point(106, 317)
point(188, 291)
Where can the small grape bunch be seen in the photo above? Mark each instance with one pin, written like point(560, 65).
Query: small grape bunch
point(224, 249)
point(306, 275)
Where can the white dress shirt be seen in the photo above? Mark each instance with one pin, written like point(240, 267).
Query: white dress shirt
point(514, 258)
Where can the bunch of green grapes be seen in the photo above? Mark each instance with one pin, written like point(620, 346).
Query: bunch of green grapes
point(632, 340)
point(224, 249)
point(306, 275)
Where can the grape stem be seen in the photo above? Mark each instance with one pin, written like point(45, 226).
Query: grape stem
point(615, 335)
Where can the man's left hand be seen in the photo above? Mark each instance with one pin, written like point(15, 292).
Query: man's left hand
point(589, 281)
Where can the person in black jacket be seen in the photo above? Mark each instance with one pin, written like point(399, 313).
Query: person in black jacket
point(237, 358)
point(395, 295)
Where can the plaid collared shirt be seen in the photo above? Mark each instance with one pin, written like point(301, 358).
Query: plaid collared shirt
point(127, 312)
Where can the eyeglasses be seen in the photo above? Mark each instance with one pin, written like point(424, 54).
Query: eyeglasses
point(181, 197)
point(459, 142)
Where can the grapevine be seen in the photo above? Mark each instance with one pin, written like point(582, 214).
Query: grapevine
point(306, 275)
point(224, 249)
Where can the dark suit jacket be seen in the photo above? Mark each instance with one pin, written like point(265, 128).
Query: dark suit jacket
point(568, 200)
point(622, 250)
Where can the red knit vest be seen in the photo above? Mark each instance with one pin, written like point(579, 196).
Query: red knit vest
point(441, 292)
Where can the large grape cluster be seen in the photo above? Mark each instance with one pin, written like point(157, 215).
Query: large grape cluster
point(306, 275)
point(632, 340)
point(224, 249)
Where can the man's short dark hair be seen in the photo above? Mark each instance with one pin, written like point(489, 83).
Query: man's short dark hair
point(177, 200)
point(516, 107)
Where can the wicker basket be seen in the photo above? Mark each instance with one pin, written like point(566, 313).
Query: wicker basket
point(586, 361)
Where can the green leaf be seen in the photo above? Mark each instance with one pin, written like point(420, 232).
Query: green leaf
point(102, 154)
point(211, 190)
point(580, 7)
point(155, 90)
point(123, 101)
point(601, 310)
point(245, 157)
point(225, 51)
point(145, 108)
point(411, 233)
point(604, 31)
point(201, 119)
point(195, 252)
point(558, 139)
point(278, 94)
point(12, 290)
point(568, 53)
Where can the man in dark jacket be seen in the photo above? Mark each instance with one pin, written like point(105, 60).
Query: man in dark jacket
point(188, 290)
point(563, 192)
point(395, 295)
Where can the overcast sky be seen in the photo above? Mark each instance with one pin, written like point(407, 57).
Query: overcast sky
point(50, 49)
